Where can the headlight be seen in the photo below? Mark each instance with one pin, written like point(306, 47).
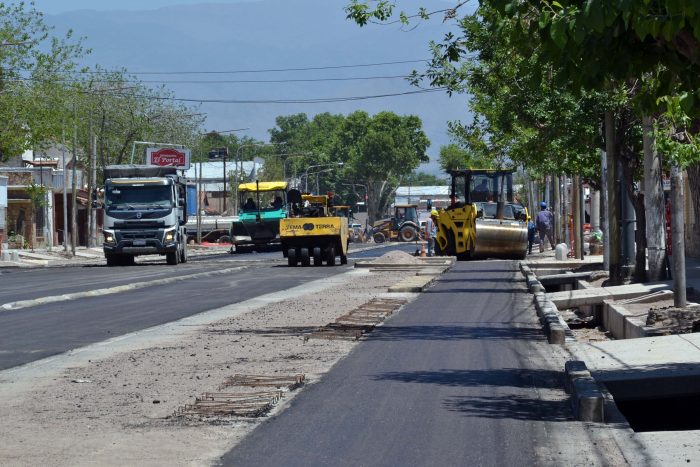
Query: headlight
point(109, 237)
point(170, 236)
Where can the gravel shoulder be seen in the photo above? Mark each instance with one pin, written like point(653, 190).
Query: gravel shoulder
point(113, 403)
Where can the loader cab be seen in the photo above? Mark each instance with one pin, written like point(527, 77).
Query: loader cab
point(403, 213)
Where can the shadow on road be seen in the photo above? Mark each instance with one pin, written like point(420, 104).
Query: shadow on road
point(505, 377)
point(511, 406)
point(474, 290)
point(454, 332)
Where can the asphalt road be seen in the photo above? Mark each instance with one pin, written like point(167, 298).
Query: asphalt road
point(448, 381)
point(43, 330)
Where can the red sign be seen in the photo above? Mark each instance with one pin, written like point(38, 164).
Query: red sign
point(169, 157)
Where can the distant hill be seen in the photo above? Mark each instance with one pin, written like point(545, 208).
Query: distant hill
point(269, 34)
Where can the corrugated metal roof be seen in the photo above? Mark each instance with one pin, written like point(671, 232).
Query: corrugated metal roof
point(423, 191)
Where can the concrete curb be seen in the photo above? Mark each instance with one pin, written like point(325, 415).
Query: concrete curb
point(587, 399)
point(556, 329)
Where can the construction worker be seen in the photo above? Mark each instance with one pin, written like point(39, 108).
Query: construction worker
point(545, 225)
point(431, 231)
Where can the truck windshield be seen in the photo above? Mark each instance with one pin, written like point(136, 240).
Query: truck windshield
point(132, 196)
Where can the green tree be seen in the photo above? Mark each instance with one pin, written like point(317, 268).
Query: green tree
point(33, 64)
point(424, 179)
point(453, 157)
point(380, 151)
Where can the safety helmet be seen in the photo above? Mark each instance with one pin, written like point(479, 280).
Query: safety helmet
point(434, 212)
point(543, 205)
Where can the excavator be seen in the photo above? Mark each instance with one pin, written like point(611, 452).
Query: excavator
point(483, 220)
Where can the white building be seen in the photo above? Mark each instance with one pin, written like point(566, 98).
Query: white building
point(439, 196)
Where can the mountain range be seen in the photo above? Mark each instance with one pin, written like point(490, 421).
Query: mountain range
point(187, 47)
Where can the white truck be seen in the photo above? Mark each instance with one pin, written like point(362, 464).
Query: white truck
point(145, 213)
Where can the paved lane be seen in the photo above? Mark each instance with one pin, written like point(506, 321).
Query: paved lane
point(451, 380)
point(40, 331)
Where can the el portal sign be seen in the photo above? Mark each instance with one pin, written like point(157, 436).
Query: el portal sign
point(179, 158)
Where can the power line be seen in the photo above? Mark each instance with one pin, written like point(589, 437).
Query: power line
point(283, 101)
point(269, 70)
point(239, 81)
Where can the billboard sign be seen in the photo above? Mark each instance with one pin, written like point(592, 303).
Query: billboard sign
point(176, 157)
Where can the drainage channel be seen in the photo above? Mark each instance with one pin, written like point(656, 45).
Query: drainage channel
point(658, 404)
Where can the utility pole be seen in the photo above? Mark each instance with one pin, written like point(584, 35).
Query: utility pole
point(199, 204)
point(92, 191)
point(65, 189)
point(678, 237)
point(74, 182)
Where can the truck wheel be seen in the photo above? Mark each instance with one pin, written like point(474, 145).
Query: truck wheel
point(330, 256)
point(127, 260)
point(407, 234)
point(318, 258)
point(112, 260)
point(183, 257)
point(292, 257)
point(343, 259)
point(172, 258)
point(305, 259)
point(378, 237)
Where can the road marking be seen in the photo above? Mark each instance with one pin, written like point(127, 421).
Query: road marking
point(11, 306)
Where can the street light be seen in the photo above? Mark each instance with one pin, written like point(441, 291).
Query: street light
point(318, 189)
point(306, 172)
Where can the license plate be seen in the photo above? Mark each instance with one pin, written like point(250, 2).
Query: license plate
point(139, 242)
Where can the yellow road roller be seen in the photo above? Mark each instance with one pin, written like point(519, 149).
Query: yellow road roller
point(483, 220)
point(312, 233)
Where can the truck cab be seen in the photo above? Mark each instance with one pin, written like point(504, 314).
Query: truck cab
point(145, 213)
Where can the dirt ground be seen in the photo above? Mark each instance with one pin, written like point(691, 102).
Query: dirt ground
point(119, 410)
point(660, 315)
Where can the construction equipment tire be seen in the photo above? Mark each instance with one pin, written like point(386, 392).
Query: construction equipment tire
point(407, 234)
point(304, 257)
point(292, 257)
point(378, 237)
point(330, 256)
point(318, 257)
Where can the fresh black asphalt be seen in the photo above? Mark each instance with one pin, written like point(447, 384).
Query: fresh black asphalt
point(41, 331)
point(448, 381)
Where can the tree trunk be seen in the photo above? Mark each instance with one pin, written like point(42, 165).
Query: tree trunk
point(612, 244)
point(556, 208)
point(632, 204)
point(576, 210)
point(654, 206)
point(693, 238)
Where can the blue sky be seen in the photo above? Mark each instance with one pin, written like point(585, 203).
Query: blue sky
point(53, 7)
